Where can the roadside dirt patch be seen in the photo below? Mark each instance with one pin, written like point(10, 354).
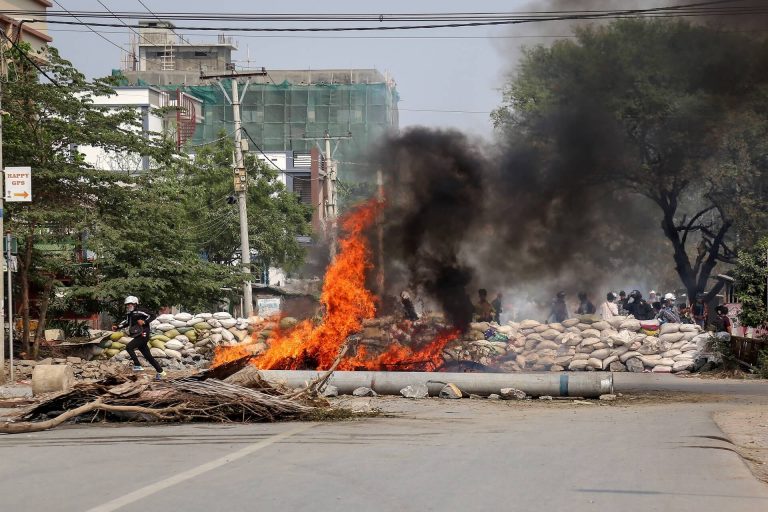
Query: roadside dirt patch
point(747, 429)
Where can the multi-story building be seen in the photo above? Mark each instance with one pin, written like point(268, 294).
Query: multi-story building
point(179, 118)
point(34, 33)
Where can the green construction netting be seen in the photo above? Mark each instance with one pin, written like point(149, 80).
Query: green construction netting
point(281, 117)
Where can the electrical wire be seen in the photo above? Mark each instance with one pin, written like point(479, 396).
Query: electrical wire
point(95, 32)
point(29, 59)
point(121, 21)
point(158, 19)
point(458, 19)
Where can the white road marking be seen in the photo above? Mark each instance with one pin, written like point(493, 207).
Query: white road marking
point(197, 471)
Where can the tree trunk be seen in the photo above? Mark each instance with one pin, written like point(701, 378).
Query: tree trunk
point(40, 333)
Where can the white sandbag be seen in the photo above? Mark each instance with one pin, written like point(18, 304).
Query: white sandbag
point(571, 322)
point(529, 324)
point(165, 327)
point(174, 344)
point(666, 361)
point(608, 360)
point(622, 338)
point(630, 325)
point(125, 340)
point(576, 365)
point(689, 328)
point(204, 316)
point(213, 323)
point(563, 360)
point(569, 339)
point(178, 323)
point(216, 338)
point(550, 334)
point(590, 333)
point(671, 353)
point(685, 356)
point(541, 328)
point(182, 317)
point(157, 352)
point(227, 336)
point(689, 347)
point(221, 315)
point(173, 353)
point(597, 364)
point(627, 355)
point(682, 365)
point(165, 318)
point(557, 326)
point(620, 350)
point(688, 336)
point(194, 321)
point(586, 342)
point(601, 325)
point(547, 344)
point(662, 369)
point(580, 357)
point(672, 337)
point(616, 321)
point(650, 360)
point(601, 353)
point(669, 328)
point(228, 322)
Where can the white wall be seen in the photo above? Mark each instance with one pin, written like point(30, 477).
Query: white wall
point(140, 99)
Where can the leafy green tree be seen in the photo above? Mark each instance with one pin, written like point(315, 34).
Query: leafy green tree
point(44, 123)
point(275, 216)
point(751, 274)
point(672, 111)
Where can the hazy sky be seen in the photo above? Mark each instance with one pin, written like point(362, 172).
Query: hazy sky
point(459, 69)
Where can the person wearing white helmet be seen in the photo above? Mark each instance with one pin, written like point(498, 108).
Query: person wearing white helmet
point(668, 313)
point(137, 322)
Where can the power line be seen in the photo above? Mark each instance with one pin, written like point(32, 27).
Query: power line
point(121, 21)
point(695, 9)
point(158, 19)
point(29, 59)
point(95, 32)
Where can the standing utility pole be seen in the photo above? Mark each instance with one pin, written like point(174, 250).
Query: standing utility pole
point(2, 228)
point(241, 179)
point(329, 190)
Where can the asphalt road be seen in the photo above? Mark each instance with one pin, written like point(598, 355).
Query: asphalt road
point(431, 455)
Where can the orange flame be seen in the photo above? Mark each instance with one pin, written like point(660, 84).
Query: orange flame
point(346, 304)
point(345, 300)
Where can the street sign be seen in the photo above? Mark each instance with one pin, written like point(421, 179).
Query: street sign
point(18, 184)
point(14, 260)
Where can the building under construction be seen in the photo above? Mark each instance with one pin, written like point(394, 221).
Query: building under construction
point(283, 110)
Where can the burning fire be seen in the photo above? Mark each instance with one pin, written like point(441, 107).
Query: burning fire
point(346, 304)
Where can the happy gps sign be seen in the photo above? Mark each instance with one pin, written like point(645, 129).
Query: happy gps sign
point(18, 184)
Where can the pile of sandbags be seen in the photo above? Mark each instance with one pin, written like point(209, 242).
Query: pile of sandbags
point(184, 339)
point(586, 343)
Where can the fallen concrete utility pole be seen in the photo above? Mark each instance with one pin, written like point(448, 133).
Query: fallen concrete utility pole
point(587, 385)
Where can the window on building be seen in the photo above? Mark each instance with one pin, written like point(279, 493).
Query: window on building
point(302, 187)
point(201, 54)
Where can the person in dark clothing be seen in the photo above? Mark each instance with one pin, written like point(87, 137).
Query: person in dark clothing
point(721, 322)
point(700, 311)
point(137, 322)
point(638, 307)
point(684, 312)
point(496, 304)
point(408, 308)
point(483, 311)
point(585, 306)
point(623, 302)
point(559, 310)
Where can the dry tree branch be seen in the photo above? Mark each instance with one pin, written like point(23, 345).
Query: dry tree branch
point(97, 405)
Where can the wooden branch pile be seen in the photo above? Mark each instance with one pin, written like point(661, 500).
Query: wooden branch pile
point(204, 397)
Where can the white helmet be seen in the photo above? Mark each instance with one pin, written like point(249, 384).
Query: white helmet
point(670, 296)
point(131, 300)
